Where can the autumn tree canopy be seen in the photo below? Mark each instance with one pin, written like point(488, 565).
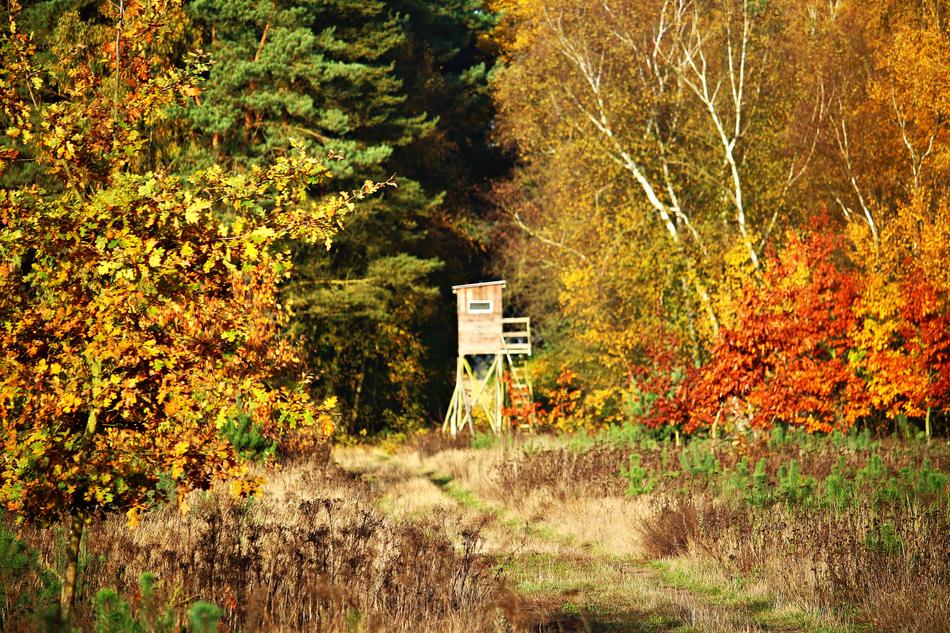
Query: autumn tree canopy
point(138, 311)
point(395, 89)
point(671, 151)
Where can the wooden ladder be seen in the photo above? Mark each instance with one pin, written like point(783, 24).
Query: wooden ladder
point(520, 397)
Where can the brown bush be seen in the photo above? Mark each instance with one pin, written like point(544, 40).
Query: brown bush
point(670, 529)
point(429, 442)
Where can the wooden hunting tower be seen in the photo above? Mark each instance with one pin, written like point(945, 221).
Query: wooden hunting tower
point(483, 331)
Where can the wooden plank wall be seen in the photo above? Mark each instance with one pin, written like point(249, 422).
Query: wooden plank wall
point(480, 333)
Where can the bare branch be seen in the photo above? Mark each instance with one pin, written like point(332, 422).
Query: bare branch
point(544, 240)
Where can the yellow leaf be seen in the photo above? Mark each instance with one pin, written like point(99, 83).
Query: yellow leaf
point(193, 211)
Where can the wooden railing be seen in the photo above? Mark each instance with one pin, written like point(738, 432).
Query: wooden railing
point(516, 335)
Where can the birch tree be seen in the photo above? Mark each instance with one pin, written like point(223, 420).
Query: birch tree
point(887, 68)
point(676, 111)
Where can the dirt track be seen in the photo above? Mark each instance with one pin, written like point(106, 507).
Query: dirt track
point(571, 566)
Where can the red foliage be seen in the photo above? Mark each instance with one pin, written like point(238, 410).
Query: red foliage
point(522, 411)
point(661, 376)
point(786, 357)
point(904, 346)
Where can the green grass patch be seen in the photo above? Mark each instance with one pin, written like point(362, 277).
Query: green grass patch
point(761, 610)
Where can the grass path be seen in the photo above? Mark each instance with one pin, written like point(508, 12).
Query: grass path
point(565, 582)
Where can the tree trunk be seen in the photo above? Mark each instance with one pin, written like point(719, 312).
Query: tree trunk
point(357, 394)
point(77, 518)
point(67, 596)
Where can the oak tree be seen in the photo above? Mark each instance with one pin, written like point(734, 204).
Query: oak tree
point(139, 312)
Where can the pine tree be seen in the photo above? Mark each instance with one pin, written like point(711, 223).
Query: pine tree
point(394, 88)
point(316, 73)
point(391, 88)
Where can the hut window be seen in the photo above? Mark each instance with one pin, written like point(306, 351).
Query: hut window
point(479, 307)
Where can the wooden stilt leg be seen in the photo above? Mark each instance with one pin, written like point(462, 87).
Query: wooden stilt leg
point(449, 423)
point(499, 392)
point(459, 397)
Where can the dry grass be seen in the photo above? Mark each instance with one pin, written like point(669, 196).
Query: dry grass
point(574, 565)
point(475, 470)
point(416, 498)
point(606, 523)
point(311, 554)
point(586, 520)
point(888, 564)
point(893, 566)
point(563, 473)
point(413, 540)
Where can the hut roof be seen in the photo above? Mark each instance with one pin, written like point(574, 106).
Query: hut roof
point(500, 282)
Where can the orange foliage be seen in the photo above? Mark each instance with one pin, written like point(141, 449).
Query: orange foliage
point(564, 404)
point(786, 357)
point(821, 343)
point(139, 313)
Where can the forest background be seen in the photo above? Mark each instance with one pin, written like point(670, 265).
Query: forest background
point(737, 210)
point(389, 90)
point(716, 213)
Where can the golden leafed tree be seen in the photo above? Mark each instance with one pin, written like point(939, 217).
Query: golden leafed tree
point(138, 313)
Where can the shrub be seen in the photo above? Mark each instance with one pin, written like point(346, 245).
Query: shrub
point(428, 442)
point(759, 493)
point(670, 529)
point(793, 487)
point(203, 617)
point(246, 437)
point(638, 478)
point(698, 459)
point(151, 614)
point(884, 538)
point(28, 591)
point(837, 489)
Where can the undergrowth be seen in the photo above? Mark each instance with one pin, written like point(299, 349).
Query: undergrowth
point(311, 554)
point(844, 522)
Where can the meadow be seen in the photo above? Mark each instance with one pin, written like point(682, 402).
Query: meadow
point(614, 531)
